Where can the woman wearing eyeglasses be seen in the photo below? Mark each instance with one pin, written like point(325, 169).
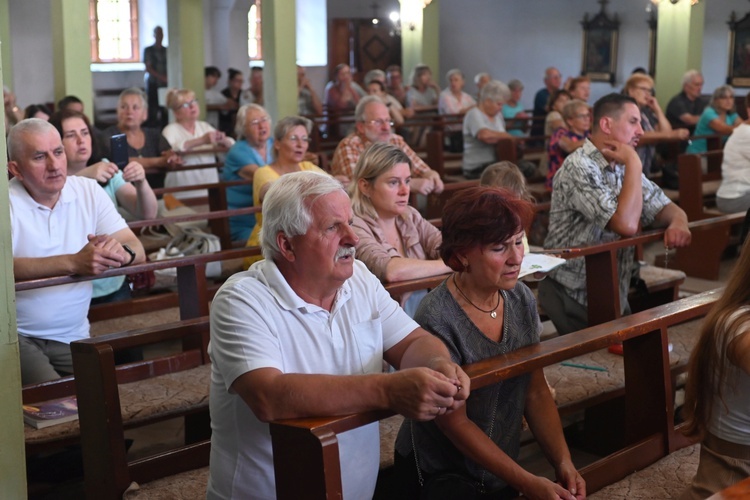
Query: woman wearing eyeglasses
point(653, 120)
point(291, 138)
point(190, 134)
point(719, 117)
point(254, 149)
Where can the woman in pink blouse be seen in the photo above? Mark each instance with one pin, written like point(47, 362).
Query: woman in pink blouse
point(395, 242)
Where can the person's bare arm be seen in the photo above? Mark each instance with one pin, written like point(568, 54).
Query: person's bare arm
point(402, 268)
point(315, 102)
point(689, 119)
point(544, 422)
point(92, 259)
point(627, 216)
point(212, 137)
point(101, 171)
point(674, 218)
point(414, 392)
point(720, 126)
point(396, 116)
point(738, 352)
point(99, 254)
point(137, 196)
point(248, 171)
point(492, 136)
point(469, 439)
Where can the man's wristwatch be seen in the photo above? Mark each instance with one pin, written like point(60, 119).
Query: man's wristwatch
point(131, 252)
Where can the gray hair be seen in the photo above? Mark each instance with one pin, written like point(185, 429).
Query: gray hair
point(239, 127)
point(495, 90)
point(571, 108)
point(133, 91)
point(374, 74)
point(479, 76)
point(359, 111)
point(720, 92)
point(451, 72)
point(376, 160)
point(16, 143)
point(288, 123)
point(286, 207)
point(515, 85)
point(689, 75)
point(506, 174)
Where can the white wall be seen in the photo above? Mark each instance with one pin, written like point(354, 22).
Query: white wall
point(508, 38)
point(31, 42)
point(520, 39)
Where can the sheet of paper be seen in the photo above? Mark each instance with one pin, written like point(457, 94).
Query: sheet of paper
point(538, 263)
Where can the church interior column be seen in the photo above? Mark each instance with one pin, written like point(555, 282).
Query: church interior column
point(679, 45)
point(12, 457)
point(5, 45)
point(185, 50)
point(71, 51)
point(280, 58)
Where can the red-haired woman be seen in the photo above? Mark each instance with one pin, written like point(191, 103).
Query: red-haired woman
point(479, 312)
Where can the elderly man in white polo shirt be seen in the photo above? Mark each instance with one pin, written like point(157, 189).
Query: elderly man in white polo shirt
point(59, 226)
point(303, 333)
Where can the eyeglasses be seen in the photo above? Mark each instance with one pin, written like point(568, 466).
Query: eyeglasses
point(727, 97)
point(379, 123)
point(583, 115)
point(647, 90)
point(258, 121)
point(299, 138)
point(186, 105)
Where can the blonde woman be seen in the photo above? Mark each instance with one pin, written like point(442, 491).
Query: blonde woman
point(395, 242)
point(188, 133)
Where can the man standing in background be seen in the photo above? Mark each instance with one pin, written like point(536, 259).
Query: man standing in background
point(155, 59)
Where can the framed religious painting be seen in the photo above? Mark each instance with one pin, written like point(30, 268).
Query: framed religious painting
point(738, 74)
point(600, 36)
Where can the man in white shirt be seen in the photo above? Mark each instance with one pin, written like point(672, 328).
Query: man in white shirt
point(304, 333)
point(59, 226)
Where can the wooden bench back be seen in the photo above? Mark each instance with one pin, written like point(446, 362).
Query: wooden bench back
point(306, 456)
point(692, 179)
point(107, 472)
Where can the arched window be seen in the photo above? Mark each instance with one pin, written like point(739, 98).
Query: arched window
point(114, 30)
point(254, 49)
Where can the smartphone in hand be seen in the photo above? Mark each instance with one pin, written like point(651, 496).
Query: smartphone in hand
point(118, 148)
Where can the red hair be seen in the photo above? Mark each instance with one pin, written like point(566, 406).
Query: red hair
point(480, 216)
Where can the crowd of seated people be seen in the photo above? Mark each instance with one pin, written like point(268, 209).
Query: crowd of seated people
point(481, 244)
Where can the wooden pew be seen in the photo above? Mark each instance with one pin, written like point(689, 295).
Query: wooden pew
point(448, 165)
point(702, 258)
point(306, 459)
point(218, 217)
point(114, 399)
point(192, 299)
point(601, 271)
point(698, 188)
